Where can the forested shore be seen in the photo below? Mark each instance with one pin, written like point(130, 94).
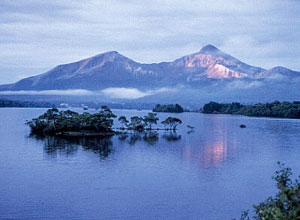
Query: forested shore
point(274, 109)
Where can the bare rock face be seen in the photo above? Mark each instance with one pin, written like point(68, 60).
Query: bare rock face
point(213, 63)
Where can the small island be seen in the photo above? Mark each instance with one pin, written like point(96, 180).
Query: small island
point(72, 124)
point(275, 109)
point(168, 108)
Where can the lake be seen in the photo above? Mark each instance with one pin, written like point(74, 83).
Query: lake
point(215, 172)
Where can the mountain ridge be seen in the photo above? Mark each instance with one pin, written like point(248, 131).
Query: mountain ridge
point(112, 69)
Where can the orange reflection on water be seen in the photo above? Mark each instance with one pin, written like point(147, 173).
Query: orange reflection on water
point(211, 153)
point(213, 150)
point(215, 153)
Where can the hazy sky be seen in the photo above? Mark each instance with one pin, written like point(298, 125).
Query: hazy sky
point(36, 35)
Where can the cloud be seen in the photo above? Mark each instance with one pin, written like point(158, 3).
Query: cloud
point(113, 93)
point(71, 92)
point(263, 52)
point(277, 77)
point(124, 93)
point(133, 93)
point(239, 84)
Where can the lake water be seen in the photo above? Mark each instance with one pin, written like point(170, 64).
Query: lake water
point(215, 172)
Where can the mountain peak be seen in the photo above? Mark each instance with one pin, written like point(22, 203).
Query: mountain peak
point(105, 57)
point(113, 52)
point(109, 54)
point(209, 49)
point(280, 68)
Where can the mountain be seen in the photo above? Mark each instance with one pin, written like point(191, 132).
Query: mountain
point(104, 70)
point(207, 73)
point(112, 69)
point(211, 62)
point(278, 72)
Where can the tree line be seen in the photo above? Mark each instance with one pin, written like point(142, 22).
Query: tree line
point(23, 104)
point(275, 109)
point(168, 108)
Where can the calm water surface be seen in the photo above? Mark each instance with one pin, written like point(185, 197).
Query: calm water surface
point(213, 173)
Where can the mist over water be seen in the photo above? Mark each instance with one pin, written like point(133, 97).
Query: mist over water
point(215, 172)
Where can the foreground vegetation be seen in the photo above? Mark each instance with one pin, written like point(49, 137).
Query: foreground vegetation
point(70, 123)
point(275, 109)
point(285, 205)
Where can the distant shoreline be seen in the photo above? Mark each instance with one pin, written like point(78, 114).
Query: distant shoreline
point(276, 109)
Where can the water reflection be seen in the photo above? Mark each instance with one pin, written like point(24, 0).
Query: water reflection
point(135, 137)
point(69, 146)
point(101, 146)
point(54, 145)
point(202, 151)
point(190, 131)
point(215, 146)
point(171, 136)
point(216, 149)
point(215, 153)
point(149, 137)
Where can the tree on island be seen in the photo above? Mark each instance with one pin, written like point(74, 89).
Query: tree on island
point(123, 120)
point(171, 122)
point(137, 123)
point(151, 119)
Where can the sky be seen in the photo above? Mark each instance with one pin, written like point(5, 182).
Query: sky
point(37, 35)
